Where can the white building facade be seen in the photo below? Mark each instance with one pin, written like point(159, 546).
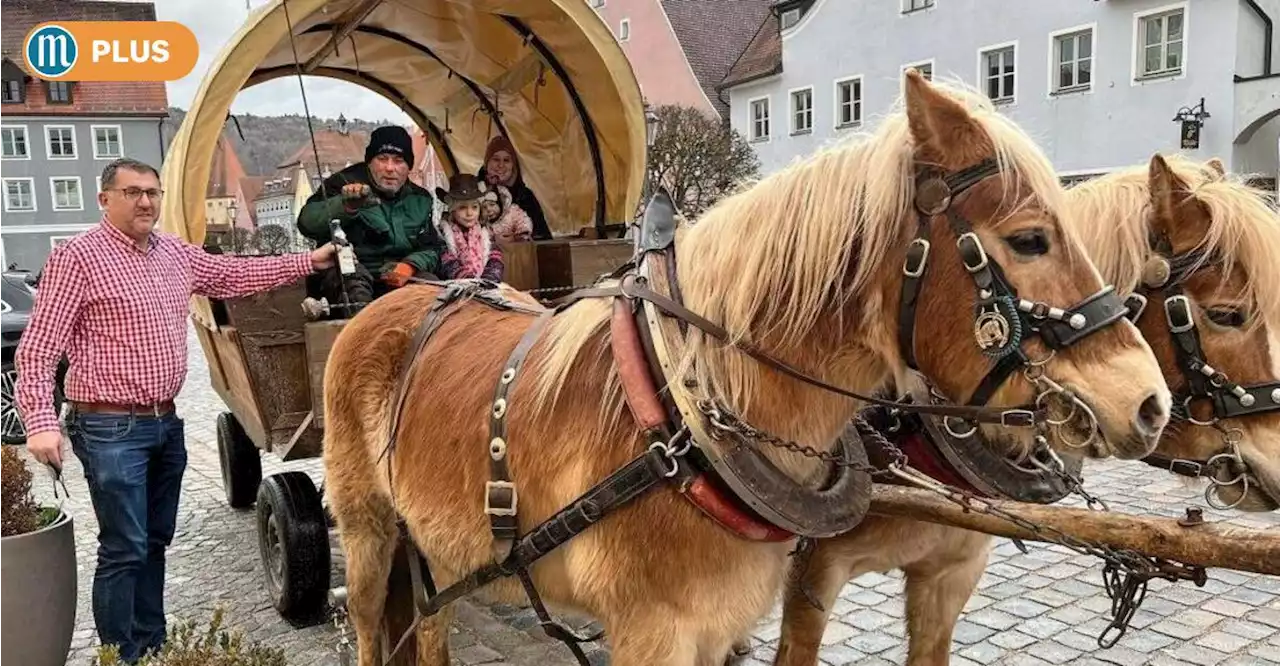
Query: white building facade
point(1097, 83)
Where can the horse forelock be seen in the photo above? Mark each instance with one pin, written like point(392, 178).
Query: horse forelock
point(1243, 231)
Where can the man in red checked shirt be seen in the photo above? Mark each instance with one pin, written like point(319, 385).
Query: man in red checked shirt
point(114, 300)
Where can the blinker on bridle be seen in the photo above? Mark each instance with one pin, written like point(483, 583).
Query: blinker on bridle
point(1003, 321)
point(1164, 274)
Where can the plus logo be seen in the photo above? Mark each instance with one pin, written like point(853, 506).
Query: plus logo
point(51, 51)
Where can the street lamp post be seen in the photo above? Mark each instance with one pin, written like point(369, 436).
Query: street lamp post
point(232, 209)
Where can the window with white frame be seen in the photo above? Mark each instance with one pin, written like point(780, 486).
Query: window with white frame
point(19, 194)
point(66, 193)
point(14, 140)
point(925, 68)
point(1160, 43)
point(848, 102)
point(915, 5)
point(106, 142)
point(62, 141)
point(759, 119)
point(1073, 61)
point(997, 75)
point(802, 111)
point(789, 18)
point(624, 29)
point(97, 187)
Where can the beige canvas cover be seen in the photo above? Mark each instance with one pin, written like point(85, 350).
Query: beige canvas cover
point(552, 71)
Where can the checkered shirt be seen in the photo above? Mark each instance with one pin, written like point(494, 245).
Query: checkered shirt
point(119, 313)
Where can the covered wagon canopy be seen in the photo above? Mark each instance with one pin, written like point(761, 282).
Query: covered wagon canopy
point(547, 73)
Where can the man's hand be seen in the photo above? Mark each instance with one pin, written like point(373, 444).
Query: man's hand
point(355, 195)
point(46, 447)
point(397, 275)
point(324, 256)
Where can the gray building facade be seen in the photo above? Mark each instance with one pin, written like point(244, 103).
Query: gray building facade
point(52, 170)
point(1097, 83)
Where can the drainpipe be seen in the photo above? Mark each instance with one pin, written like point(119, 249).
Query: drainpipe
point(160, 133)
point(1266, 35)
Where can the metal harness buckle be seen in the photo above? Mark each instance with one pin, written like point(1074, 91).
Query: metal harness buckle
point(489, 508)
point(1023, 418)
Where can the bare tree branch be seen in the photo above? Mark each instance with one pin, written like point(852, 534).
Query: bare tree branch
point(698, 158)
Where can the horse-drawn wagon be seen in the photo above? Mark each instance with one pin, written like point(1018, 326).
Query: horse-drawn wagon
point(548, 75)
point(792, 299)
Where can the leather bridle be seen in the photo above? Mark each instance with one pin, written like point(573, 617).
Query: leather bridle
point(1003, 321)
point(1163, 277)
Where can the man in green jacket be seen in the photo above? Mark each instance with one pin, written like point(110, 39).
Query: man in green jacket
point(386, 218)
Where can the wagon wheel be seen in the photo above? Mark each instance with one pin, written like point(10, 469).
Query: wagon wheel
point(240, 461)
point(14, 432)
point(293, 540)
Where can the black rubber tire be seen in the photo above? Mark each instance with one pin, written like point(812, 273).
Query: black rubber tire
point(293, 542)
point(240, 461)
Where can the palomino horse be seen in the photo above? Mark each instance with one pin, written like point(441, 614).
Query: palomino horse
point(803, 265)
point(1236, 307)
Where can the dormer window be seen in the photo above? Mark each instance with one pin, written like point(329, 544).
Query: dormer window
point(12, 91)
point(14, 83)
point(790, 12)
point(59, 92)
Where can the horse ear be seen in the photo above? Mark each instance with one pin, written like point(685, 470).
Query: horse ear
point(935, 120)
point(1216, 166)
point(1167, 190)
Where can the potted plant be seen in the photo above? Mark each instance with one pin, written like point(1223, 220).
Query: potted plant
point(37, 572)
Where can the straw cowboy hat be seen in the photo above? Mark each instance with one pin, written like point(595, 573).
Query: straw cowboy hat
point(463, 188)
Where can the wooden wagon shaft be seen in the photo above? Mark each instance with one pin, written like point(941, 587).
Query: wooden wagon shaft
point(1210, 545)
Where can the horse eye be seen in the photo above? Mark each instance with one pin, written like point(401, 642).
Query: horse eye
point(1030, 242)
point(1229, 317)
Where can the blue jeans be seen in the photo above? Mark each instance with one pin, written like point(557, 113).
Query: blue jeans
point(134, 467)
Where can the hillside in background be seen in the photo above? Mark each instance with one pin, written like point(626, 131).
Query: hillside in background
point(267, 140)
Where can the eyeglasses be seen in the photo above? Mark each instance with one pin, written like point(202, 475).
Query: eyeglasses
point(132, 193)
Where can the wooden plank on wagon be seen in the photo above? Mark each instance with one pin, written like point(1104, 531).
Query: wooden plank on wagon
point(320, 336)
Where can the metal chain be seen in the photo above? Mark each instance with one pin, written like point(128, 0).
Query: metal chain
point(724, 421)
point(1125, 572)
point(343, 646)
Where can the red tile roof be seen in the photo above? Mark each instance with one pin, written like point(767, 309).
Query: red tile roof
point(337, 150)
point(227, 171)
point(713, 33)
point(88, 98)
point(761, 58)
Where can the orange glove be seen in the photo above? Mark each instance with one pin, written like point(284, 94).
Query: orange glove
point(399, 275)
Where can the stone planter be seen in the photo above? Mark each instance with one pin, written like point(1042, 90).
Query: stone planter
point(38, 595)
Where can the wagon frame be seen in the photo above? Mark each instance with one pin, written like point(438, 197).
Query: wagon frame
point(549, 76)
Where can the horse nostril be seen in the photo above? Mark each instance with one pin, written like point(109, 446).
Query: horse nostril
point(1152, 417)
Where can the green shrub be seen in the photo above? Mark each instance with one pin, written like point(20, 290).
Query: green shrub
point(214, 647)
point(19, 513)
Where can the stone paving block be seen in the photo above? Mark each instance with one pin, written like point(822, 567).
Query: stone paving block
point(1012, 640)
point(1021, 607)
point(872, 642)
point(1042, 627)
point(1248, 629)
point(1267, 616)
point(1077, 641)
point(1265, 584)
point(476, 654)
point(1198, 655)
point(1050, 598)
point(968, 633)
point(1248, 596)
point(1122, 656)
point(1146, 641)
point(983, 652)
point(1226, 607)
point(1222, 641)
point(1024, 659)
point(1052, 652)
point(839, 655)
point(1176, 629)
point(866, 598)
point(1075, 587)
point(1198, 618)
point(1268, 652)
point(1072, 615)
point(994, 619)
point(977, 602)
point(837, 632)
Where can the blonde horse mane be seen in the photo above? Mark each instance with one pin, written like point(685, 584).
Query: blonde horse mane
point(1243, 228)
point(782, 255)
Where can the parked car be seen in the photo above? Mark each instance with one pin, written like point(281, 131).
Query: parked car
point(17, 297)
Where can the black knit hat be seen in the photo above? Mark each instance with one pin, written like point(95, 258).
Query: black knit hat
point(391, 139)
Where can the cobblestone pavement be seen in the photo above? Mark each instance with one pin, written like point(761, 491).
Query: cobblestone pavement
point(1041, 608)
